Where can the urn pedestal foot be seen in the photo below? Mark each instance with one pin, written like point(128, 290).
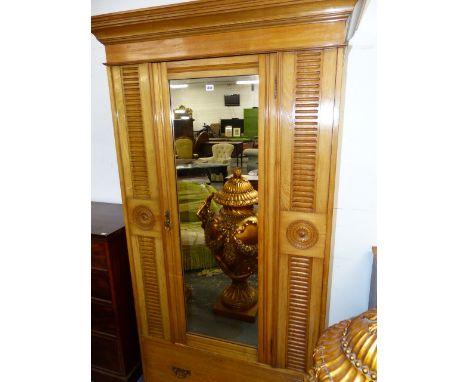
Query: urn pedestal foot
point(248, 315)
point(239, 301)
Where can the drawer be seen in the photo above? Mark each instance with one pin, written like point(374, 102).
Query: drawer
point(100, 285)
point(98, 255)
point(171, 363)
point(105, 353)
point(102, 317)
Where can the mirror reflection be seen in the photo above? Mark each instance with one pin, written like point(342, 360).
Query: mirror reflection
point(215, 130)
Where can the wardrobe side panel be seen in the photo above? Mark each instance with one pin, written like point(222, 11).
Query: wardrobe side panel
point(306, 97)
point(138, 170)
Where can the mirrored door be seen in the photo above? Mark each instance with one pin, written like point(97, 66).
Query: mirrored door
point(215, 137)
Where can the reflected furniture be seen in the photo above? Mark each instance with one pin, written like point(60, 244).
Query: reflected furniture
point(216, 129)
point(233, 122)
point(192, 169)
point(115, 352)
point(297, 50)
point(183, 128)
point(184, 148)
point(232, 236)
point(201, 138)
point(221, 153)
point(195, 253)
point(252, 158)
point(207, 148)
point(251, 122)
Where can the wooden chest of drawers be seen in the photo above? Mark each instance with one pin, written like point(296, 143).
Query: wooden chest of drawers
point(115, 353)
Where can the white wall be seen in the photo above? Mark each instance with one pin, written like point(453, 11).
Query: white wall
point(105, 186)
point(356, 194)
point(208, 107)
point(355, 205)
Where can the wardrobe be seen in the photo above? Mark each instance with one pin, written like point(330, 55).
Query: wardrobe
point(297, 50)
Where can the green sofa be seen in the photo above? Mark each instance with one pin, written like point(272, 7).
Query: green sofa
point(195, 253)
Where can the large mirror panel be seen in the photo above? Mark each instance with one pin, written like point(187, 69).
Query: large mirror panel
point(215, 131)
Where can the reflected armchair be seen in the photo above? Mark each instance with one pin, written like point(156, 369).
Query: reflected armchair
point(252, 158)
point(221, 154)
point(184, 148)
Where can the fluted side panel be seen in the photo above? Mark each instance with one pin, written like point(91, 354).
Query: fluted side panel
point(306, 131)
point(136, 141)
point(150, 285)
point(300, 272)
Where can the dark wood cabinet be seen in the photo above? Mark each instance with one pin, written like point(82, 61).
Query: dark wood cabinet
point(183, 128)
point(115, 352)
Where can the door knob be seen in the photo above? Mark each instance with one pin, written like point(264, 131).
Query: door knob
point(167, 220)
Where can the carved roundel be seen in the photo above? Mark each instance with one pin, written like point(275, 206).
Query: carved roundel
point(143, 217)
point(302, 234)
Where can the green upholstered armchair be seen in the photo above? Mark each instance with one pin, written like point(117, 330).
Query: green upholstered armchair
point(184, 148)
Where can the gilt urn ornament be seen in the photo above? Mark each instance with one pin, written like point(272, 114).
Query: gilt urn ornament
point(347, 351)
point(231, 237)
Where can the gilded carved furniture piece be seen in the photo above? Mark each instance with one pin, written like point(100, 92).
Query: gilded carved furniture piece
point(347, 351)
point(232, 239)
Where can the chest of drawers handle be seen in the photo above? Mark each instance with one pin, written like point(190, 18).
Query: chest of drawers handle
point(181, 373)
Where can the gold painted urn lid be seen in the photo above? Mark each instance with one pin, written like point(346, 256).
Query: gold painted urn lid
point(347, 351)
point(237, 192)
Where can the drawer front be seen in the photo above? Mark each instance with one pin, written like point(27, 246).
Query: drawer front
point(98, 255)
point(102, 317)
point(105, 353)
point(167, 362)
point(100, 285)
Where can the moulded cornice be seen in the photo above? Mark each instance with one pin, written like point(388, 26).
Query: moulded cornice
point(212, 16)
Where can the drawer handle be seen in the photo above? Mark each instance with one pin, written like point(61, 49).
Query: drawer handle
point(181, 373)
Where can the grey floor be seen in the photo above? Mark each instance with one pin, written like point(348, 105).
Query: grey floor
point(205, 292)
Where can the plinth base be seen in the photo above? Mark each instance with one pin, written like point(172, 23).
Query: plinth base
point(247, 315)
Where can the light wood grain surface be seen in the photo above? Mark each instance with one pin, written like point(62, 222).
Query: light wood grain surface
point(296, 48)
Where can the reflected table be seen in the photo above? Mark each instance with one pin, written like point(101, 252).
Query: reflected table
point(191, 169)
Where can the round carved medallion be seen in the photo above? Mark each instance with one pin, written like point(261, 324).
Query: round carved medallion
point(143, 217)
point(302, 234)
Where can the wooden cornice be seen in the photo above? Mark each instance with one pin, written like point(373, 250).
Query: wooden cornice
point(214, 16)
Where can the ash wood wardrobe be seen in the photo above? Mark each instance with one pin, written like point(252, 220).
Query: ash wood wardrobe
point(297, 50)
